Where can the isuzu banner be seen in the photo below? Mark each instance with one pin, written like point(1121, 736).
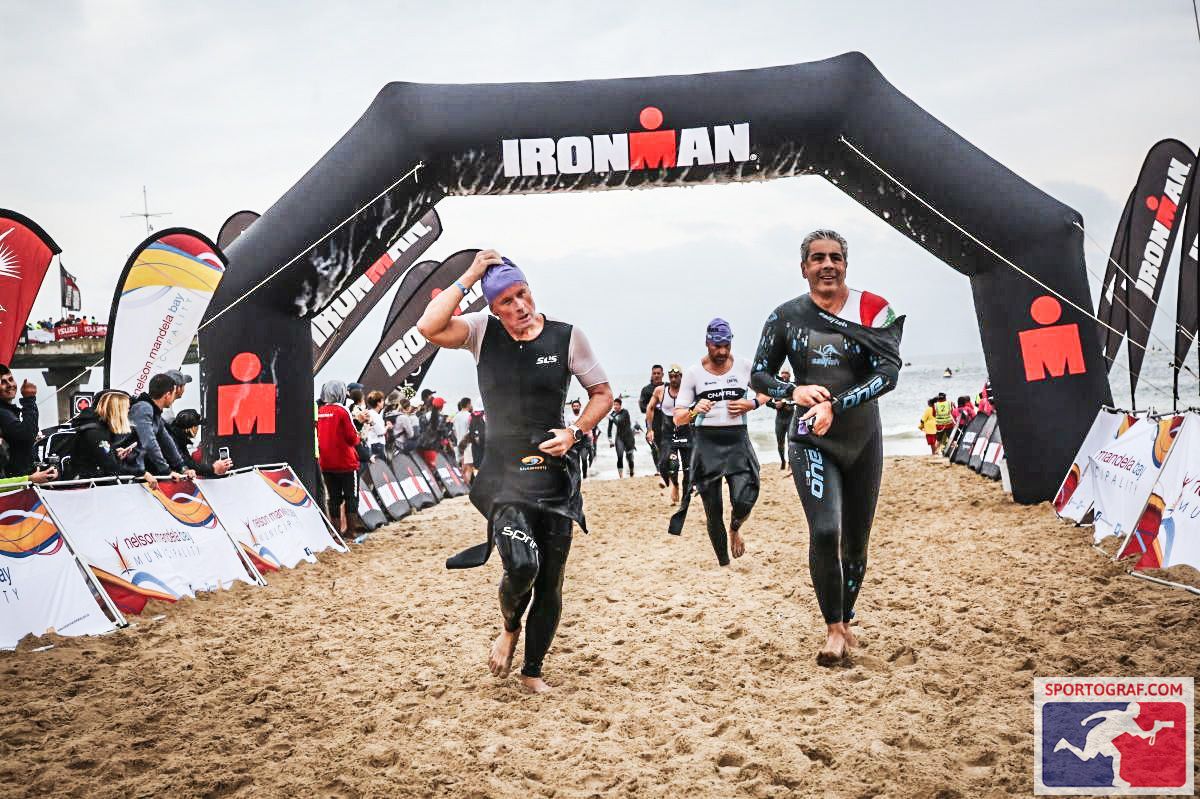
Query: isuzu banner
point(838, 118)
point(1167, 523)
point(1074, 497)
point(332, 326)
point(25, 254)
point(1124, 471)
point(271, 516)
point(402, 349)
point(42, 588)
point(163, 543)
point(159, 302)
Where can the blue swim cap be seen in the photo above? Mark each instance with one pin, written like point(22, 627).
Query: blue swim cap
point(500, 277)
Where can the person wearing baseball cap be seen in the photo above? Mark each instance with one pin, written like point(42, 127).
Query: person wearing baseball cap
point(675, 441)
point(714, 398)
point(528, 486)
point(844, 349)
point(184, 429)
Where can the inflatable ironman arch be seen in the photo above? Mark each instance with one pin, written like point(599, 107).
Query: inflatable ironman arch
point(1042, 355)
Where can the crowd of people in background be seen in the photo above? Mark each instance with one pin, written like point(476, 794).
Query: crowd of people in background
point(940, 417)
point(118, 436)
point(69, 319)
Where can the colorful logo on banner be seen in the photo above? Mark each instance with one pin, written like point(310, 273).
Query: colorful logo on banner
point(285, 484)
point(181, 499)
point(26, 528)
point(1113, 735)
point(177, 261)
point(1050, 350)
point(25, 255)
point(244, 408)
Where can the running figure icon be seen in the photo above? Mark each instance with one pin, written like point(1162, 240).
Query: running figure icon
point(1099, 741)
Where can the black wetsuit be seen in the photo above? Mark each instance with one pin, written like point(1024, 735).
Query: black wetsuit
point(656, 423)
point(676, 444)
point(529, 498)
point(837, 475)
point(625, 440)
point(783, 417)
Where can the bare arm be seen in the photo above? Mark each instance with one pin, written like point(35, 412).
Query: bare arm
point(600, 400)
point(438, 324)
point(651, 407)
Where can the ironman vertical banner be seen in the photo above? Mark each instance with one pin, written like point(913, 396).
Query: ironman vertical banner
point(160, 299)
point(25, 255)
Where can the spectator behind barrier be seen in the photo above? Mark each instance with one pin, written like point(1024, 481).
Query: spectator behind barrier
point(18, 423)
point(375, 429)
point(104, 444)
point(338, 440)
point(159, 454)
point(183, 429)
point(404, 428)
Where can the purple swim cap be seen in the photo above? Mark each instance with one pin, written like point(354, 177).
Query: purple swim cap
point(500, 277)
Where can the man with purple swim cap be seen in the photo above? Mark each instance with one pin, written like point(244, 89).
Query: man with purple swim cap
point(528, 484)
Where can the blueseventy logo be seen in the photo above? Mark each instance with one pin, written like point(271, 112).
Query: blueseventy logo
point(826, 355)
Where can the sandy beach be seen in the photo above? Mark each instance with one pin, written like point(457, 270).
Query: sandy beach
point(365, 674)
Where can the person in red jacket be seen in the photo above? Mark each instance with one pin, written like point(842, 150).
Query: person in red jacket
point(337, 439)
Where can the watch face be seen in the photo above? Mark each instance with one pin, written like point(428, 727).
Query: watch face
point(579, 434)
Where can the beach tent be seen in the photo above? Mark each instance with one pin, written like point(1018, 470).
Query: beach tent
point(1074, 498)
point(1123, 473)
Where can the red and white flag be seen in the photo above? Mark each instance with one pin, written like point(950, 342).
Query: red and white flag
point(25, 255)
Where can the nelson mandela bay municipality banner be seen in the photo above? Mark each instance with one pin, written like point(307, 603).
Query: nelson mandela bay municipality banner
point(160, 300)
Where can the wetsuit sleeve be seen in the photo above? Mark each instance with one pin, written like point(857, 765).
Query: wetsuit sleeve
point(879, 381)
point(767, 360)
point(582, 362)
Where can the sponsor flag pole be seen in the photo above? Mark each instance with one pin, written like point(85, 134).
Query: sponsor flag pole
point(102, 595)
point(160, 300)
point(1189, 588)
point(337, 320)
point(402, 350)
point(25, 255)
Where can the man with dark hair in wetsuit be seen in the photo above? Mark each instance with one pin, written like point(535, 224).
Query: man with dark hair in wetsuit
point(844, 349)
point(783, 417)
point(653, 425)
point(624, 441)
point(714, 397)
point(528, 486)
point(674, 441)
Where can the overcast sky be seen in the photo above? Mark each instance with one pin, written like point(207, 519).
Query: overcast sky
point(221, 106)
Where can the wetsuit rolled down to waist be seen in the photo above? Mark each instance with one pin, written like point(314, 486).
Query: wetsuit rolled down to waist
point(857, 358)
point(529, 498)
point(676, 444)
point(721, 448)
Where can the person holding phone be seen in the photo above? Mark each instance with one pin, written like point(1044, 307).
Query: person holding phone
point(184, 429)
point(104, 442)
point(528, 486)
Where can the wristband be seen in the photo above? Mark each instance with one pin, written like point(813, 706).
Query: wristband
point(461, 287)
point(757, 404)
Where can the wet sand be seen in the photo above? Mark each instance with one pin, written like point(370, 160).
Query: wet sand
point(365, 675)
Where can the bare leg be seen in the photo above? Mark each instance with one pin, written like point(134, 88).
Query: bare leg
point(534, 685)
point(503, 648)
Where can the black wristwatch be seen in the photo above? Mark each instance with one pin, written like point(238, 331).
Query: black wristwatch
point(576, 432)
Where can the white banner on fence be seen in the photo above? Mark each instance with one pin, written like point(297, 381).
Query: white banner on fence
point(162, 543)
point(269, 512)
point(1177, 542)
point(1124, 471)
point(1074, 498)
point(42, 587)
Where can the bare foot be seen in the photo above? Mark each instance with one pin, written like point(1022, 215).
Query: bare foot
point(851, 638)
point(534, 685)
point(503, 648)
point(835, 647)
point(737, 545)
point(674, 494)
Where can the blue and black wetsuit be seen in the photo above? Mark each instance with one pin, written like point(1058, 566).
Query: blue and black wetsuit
point(837, 475)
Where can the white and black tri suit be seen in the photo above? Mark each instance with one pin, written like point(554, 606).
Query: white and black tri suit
point(721, 448)
point(529, 498)
point(676, 446)
point(856, 356)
